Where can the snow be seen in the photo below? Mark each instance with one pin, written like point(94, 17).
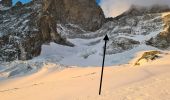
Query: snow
point(124, 82)
point(1, 34)
point(14, 69)
point(85, 55)
point(143, 38)
point(4, 8)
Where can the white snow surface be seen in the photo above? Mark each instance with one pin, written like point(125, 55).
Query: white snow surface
point(124, 82)
point(84, 55)
point(4, 8)
point(1, 34)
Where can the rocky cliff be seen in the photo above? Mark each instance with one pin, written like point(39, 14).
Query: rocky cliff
point(25, 27)
point(84, 13)
point(162, 40)
point(6, 3)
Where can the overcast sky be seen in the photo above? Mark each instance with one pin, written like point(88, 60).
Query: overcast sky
point(115, 7)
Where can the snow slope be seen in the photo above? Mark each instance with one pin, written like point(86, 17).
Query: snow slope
point(125, 82)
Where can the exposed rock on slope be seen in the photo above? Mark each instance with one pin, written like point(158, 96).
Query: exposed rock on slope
point(6, 3)
point(148, 56)
point(162, 40)
point(121, 44)
point(20, 37)
point(85, 13)
point(24, 28)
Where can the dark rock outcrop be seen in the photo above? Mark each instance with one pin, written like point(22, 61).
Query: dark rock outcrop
point(85, 13)
point(119, 45)
point(19, 4)
point(6, 3)
point(20, 37)
point(148, 56)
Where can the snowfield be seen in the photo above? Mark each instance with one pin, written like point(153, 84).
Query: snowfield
point(83, 55)
point(124, 82)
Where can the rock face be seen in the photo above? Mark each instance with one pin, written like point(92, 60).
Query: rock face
point(160, 24)
point(85, 13)
point(7, 3)
point(162, 40)
point(25, 27)
point(121, 44)
point(19, 35)
point(19, 4)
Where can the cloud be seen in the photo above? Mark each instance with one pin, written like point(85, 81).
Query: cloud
point(113, 8)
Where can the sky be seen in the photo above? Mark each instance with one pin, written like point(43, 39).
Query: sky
point(24, 1)
point(114, 8)
point(98, 1)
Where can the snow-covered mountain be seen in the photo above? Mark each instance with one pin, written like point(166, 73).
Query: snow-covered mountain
point(129, 33)
point(31, 31)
